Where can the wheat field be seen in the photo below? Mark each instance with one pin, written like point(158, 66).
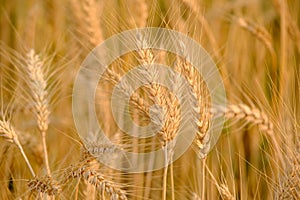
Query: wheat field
point(255, 46)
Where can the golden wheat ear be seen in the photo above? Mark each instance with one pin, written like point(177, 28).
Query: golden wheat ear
point(105, 187)
point(289, 185)
point(252, 116)
point(38, 85)
point(46, 186)
point(87, 14)
point(244, 112)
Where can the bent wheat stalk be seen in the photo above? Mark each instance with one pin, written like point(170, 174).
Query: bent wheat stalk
point(9, 133)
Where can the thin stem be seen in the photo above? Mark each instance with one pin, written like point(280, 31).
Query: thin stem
point(25, 158)
point(172, 177)
point(77, 189)
point(164, 194)
point(149, 174)
point(45, 153)
point(203, 177)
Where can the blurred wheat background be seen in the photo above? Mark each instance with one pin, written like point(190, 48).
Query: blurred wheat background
point(256, 46)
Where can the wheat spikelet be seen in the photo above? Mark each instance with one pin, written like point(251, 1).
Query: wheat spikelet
point(87, 168)
point(45, 185)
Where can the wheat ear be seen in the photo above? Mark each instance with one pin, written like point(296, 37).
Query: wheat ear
point(87, 18)
point(200, 93)
point(171, 111)
point(38, 86)
point(222, 188)
point(138, 101)
point(290, 186)
point(261, 34)
point(250, 115)
point(195, 9)
point(92, 21)
point(44, 185)
point(291, 24)
point(138, 13)
point(242, 111)
point(8, 132)
point(105, 187)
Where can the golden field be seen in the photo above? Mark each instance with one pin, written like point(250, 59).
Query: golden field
point(255, 45)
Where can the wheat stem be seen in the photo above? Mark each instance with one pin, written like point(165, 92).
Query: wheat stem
point(9, 133)
point(38, 86)
point(172, 178)
point(203, 177)
point(165, 175)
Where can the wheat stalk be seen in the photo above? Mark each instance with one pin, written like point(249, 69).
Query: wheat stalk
point(170, 113)
point(291, 25)
point(38, 86)
point(8, 132)
point(33, 145)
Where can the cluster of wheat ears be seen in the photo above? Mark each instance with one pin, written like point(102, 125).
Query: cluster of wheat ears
point(256, 47)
